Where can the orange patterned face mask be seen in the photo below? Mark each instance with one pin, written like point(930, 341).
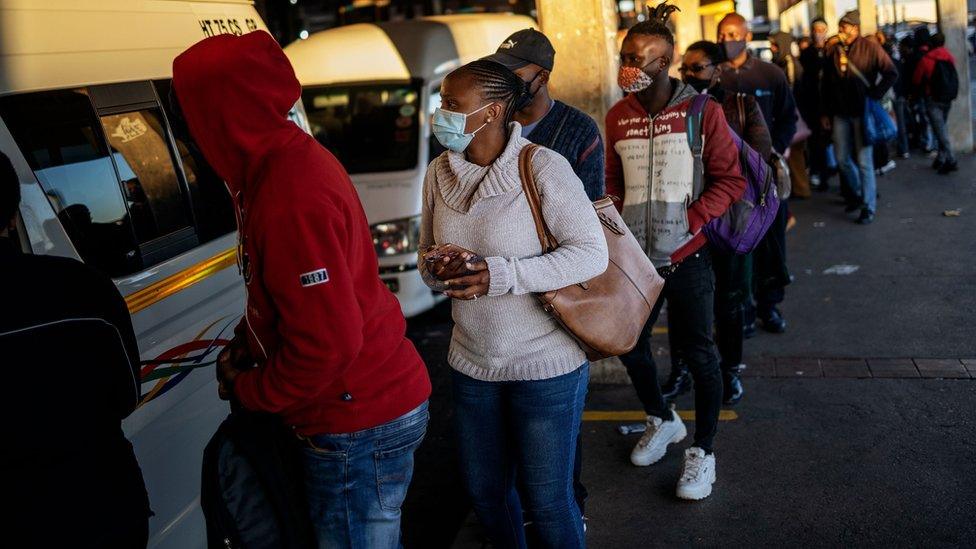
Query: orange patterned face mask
point(634, 79)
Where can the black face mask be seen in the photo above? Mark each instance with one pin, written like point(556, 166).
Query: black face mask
point(700, 84)
point(528, 95)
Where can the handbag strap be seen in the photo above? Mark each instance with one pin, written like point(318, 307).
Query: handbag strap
point(531, 192)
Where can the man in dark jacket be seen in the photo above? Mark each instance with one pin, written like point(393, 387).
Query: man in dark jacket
point(550, 123)
point(746, 74)
point(808, 101)
point(856, 69)
point(326, 335)
point(70, 378)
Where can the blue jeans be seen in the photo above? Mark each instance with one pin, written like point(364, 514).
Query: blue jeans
point(939, 118)
point(853, 151)
point(526, 429)
point(356, 482)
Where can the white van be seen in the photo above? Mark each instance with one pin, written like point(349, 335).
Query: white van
point(109, 178)
point(369, 90)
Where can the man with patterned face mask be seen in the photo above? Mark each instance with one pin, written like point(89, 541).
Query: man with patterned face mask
point(666, 196)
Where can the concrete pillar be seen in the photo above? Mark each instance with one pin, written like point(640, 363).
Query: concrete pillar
point(687, 25)
point(583, 32)
point(772, 8)
point(869, 14)
point(830, 14)
point(952, 23)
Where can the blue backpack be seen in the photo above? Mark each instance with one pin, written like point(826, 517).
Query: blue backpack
point(744, 224)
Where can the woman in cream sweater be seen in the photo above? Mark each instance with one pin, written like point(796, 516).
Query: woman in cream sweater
point(519, 378)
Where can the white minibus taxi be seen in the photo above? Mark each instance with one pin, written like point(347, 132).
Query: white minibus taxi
point(369, 90)
point(109, 177)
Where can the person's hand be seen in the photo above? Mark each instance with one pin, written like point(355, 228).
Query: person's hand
point(226, 373)
point(474, 285)
point(448, 259)
point(233, 359)
point(825, 123)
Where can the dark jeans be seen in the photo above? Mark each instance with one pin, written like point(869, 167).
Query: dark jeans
point(356, 482)
point(903, 116)
point(528, 429)
point(769, 273)
point(690, 293)
point(733, 273)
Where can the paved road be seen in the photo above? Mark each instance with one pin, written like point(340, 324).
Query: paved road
point(829, 461)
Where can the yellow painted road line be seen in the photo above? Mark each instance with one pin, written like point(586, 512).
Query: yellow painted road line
point(172, 284)
point(637, 415)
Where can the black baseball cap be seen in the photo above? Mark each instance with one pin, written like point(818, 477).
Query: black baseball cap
point(524, 47)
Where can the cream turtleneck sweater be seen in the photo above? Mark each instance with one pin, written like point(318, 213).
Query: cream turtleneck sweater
point(507, 336)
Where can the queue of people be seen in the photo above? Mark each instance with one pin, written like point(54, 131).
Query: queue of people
point(322, 343)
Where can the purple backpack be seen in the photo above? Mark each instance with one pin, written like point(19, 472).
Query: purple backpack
point(744, 224)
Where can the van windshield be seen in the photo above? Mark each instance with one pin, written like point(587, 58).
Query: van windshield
point(370, 128)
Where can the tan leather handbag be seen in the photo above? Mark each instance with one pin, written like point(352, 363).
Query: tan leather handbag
point(605, 314)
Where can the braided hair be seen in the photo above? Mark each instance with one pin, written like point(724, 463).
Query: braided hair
point(495, 82)
point(656, 23)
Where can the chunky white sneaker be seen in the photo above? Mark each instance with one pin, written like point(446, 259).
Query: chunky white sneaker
point(697, 474)
point(653, 444)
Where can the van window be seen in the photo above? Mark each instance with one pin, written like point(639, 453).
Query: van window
point(149, 183)
point(370, 128)
point(61, 139)
point(434, 147)
point(212, 206)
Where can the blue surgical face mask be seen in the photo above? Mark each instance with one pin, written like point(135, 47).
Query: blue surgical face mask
point(448, 128)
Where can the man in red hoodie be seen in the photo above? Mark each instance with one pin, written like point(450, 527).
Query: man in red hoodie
point(936, 76)
point(325, 334)
point(651, 168)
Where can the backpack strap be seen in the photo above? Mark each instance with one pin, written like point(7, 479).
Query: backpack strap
point(696, 140)
point(531, 192)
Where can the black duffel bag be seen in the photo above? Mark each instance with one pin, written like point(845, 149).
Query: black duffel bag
point(252, 492)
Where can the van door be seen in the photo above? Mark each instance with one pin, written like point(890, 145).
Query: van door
point(139, 202)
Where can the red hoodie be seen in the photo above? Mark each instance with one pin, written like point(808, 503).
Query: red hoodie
point(327, 335)
point(926, 65)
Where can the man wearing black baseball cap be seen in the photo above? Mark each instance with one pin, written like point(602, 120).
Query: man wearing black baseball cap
point(552, 124)
point(556, 126)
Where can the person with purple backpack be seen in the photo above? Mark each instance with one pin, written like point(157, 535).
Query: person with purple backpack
point(700, 70)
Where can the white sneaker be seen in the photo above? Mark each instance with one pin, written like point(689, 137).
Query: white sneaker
point(653, 444)
point(697, 474)
point(888, 167)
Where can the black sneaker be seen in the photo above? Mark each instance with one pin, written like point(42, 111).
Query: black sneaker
point(866, 217)
point(749, 330)
point(852, 207)
point(772, 321)
point(937, 164)
point(731, 387)
point(948, 167)
point(678, 383)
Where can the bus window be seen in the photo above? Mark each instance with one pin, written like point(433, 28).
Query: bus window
point(370, 127)
point(212, 205)
point(60, 137)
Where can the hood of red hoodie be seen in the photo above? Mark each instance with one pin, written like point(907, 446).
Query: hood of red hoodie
point(235, 93)
point(941, 54)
